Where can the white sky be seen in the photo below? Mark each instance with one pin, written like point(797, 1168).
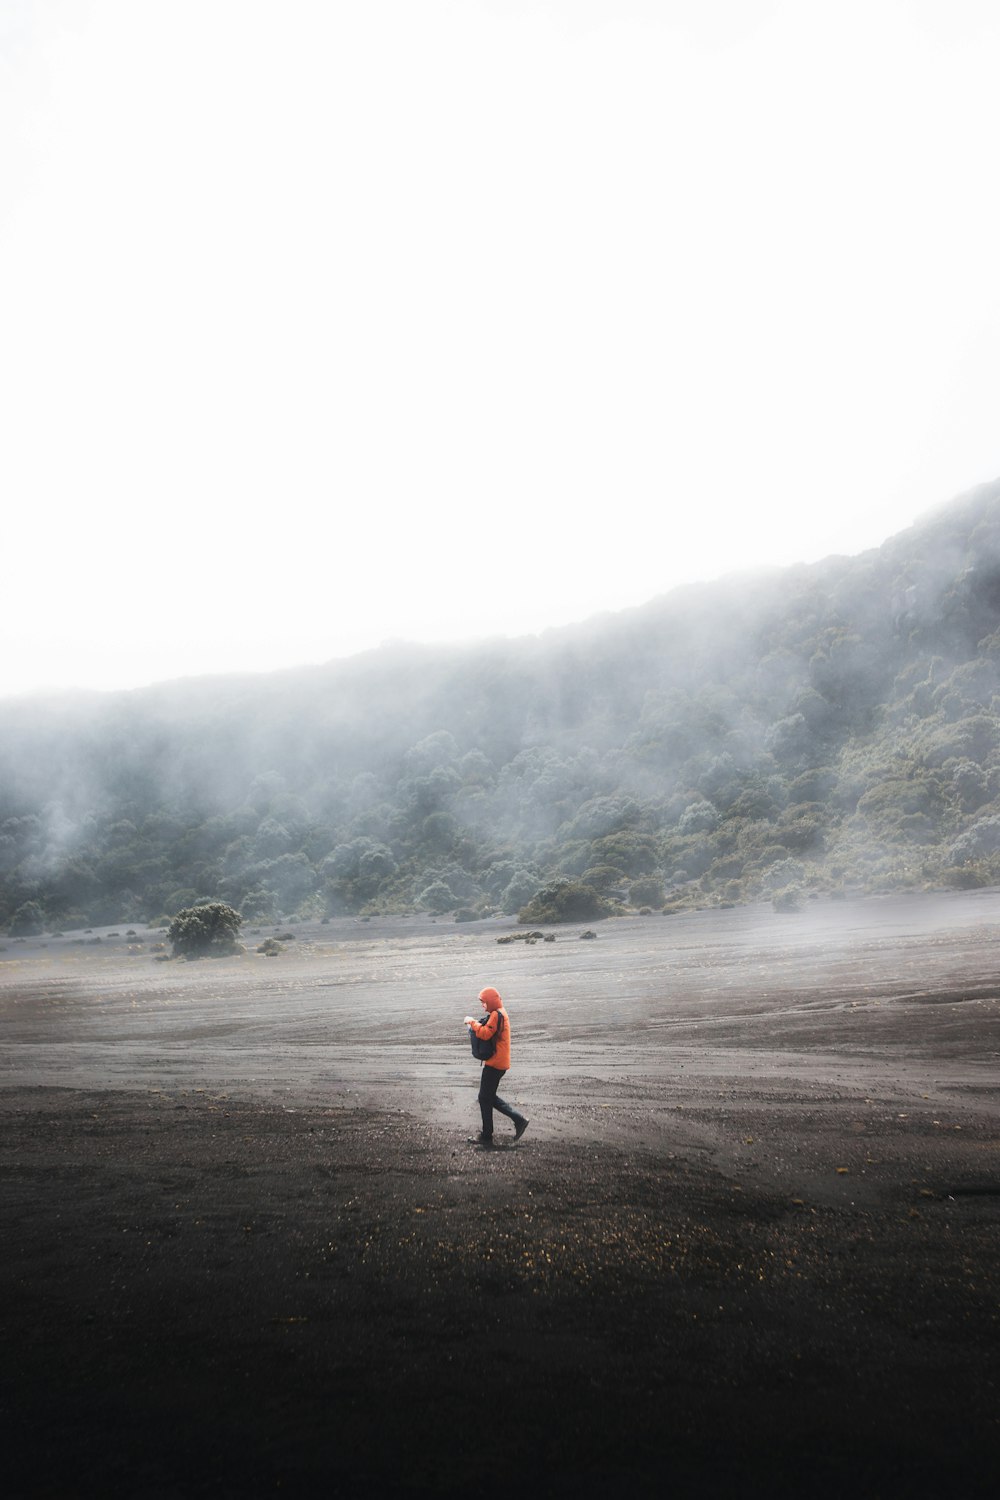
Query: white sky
point(326, 323)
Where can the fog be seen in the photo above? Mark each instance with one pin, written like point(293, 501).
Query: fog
point(381, 322)
point(818, 732)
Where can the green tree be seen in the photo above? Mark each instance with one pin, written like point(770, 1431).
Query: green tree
point(437, 897)
point(519, 889)
point(28, 920)
point(565, 901)
point(646, 892)
point(200, 931)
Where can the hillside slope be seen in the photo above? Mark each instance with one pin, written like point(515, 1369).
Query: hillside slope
point(802, 731)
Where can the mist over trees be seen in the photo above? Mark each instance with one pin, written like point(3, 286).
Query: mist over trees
point(817, 729)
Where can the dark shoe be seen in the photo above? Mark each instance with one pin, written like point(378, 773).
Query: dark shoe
point(484, 1142)
point(520, 1128)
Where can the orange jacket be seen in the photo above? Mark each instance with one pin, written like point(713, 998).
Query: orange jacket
point(501, 1057)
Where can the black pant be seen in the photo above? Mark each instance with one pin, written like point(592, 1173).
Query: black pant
point(488, 1100)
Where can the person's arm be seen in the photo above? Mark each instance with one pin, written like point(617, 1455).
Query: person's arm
point(485, 1031)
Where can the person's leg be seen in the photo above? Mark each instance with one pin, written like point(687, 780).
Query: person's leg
point(520, 1123)
point(489, 1082)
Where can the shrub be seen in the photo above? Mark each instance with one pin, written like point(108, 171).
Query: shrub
point(781, 876)
point(355, 870)
point(982, 839)
point(437, 897)
point(970, 783)
point(964, 877)
point(812, 786)
point(520, 888)
point(28, 920)
point(603, 877)
point(699, 817)
point(199, 931)
point(259, 904)
point(646, 892)
point(799, 833)
point(565, 901)
point(630, 851)
point(439, 832)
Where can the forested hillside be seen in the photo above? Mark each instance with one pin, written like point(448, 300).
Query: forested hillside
point(814, 730)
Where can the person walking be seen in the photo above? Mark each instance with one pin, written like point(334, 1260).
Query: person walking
point(496, 1023)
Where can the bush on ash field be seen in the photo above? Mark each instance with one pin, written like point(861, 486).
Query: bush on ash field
point(202, 930)
point(565, 901)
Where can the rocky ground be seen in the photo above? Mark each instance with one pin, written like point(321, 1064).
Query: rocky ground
point(748, 1246)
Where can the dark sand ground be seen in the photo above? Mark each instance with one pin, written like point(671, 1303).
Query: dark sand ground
point(749, 1245)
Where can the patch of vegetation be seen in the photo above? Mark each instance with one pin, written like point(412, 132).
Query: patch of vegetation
point(205, 931)
point(648, 892)
point(27, 921)
point(565, 901)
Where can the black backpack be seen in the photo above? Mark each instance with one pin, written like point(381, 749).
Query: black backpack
point(484, 1049)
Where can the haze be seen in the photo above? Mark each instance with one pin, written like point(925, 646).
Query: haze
point(326, 324)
